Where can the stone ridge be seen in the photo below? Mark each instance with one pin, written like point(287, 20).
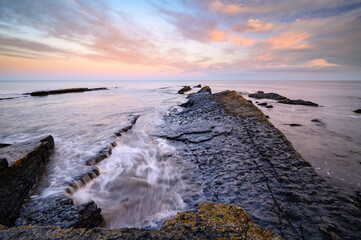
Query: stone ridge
point(233, 154)
point(17, 180)
point(63, 91)
point(211, 221)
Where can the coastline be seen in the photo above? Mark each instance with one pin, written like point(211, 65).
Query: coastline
point(239, 157)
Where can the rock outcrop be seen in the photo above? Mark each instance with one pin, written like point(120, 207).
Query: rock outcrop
point(237, 156)
point(25, 160)
point(210, 221)
point(262, 95)
point(184, 89)
point(62, 91)
point(205, 89)
point(61, 211)
point(298, 102)
point(358, 111)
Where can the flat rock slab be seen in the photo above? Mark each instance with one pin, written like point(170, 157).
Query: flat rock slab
point(16, 181)
point(237, 156)
point(62, 91)
point(210, 221)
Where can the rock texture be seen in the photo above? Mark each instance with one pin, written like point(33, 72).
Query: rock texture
point(210, 221)
point(236, 156)
point(60, 211)
point(184, 89)
point(25, 160)
point(62, 91)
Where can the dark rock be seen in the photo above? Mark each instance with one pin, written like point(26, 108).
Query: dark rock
point(262, 104)
point(25, 160)
point(184, 89)
point(269, 106)
point(316, 120)
point(267, 116)
point(7, 98)
point(210, 221)
point(2, 145)
point(62, 91)
point(198, 86)
point(294, 125)
point(205, 89)
point(298, 102)
point(3, 164)
point(60, 211)
point(225, 139)
point(249, 101)
point(261, 95)
point(358, 111)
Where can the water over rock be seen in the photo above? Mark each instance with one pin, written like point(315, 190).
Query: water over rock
point(262, 95)
point(205, 89)
point(25, 160)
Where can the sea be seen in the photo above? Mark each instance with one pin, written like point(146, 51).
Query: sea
point(129, 190)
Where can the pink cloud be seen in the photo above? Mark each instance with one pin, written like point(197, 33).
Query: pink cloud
point(253, 25)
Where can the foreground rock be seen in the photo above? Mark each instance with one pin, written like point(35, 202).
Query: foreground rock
point(236, 156)
point(184, 89)
point(60, 211)
point(25, 161)
point(62, 91)
point(210, 221)
point(299, 102)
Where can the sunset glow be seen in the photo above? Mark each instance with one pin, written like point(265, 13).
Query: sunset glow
point(209, 39)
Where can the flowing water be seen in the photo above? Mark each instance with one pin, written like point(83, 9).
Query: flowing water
point(140, 183)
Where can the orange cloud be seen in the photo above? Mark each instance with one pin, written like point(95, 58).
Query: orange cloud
point(253, 25)
point(290, 40)
point(226, 7)
point(224, 36)
point(321, 63)
point(217, 36)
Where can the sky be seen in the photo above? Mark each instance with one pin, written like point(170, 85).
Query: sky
point(180, 40)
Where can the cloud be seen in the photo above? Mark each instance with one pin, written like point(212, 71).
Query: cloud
point(226, 8)
point(290, 40)
point(253, 25)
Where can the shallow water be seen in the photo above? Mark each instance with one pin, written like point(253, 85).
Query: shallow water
point(141, 182)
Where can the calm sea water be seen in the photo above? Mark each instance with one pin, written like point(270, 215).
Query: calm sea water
point(83, 123)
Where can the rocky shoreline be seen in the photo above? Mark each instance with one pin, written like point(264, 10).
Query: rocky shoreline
point(236, 158)
point(63, 91)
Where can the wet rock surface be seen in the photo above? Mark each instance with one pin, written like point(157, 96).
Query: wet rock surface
point(210, 221)
point(358, 111)
point(60, 211)
point(25, 161)
point(238, 157)
point(62, 91)
point(298, 102)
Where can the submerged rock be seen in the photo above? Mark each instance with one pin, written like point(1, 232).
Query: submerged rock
point(184, 89)
point(25, 160)
point(298, 102)
point(261, 95)
point(60, 211)
point(294, 125)
point(358, 111)
point(210, 221)
point(205, 89)
point(198, 86)
point(262, 104)
point(62, 91)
